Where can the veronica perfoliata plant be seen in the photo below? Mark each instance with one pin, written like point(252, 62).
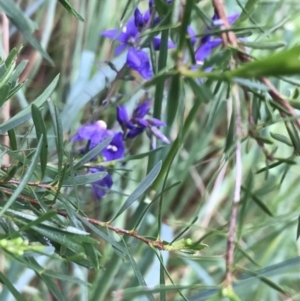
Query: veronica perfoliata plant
point(161, 163)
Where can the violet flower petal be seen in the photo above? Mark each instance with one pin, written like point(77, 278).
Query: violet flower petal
point(138, 19)
point(111, 33)
point(138, 60)
point(115, 150)
point(157, 133)
point(122, 116)
point(142, 109)
point(102, 186)
point(192, 34)
point(155, 122)
point(134, 132)
point(157, 43)
point(205, 50)
point(120, 48)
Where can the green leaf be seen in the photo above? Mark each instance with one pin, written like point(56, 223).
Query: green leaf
point(25, 114)
point(264, 45)
point(8, 66)
point(281, 138)
point(18, 71)
point(298, 228)
point(248, 10)
point(25, 179)
point(201, 92)
point(184, 24)
point(71, 10)
point(41, 131)
point(57, 125)
point(11, 288)
point(144, 185)
point(138, 273)
point(12, 139)
point(93, 153)
point(286, 62)
point(19, 19)
point(85, 179)
point(4, 90)
point(173, 99)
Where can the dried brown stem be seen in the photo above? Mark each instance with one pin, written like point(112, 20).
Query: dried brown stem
point(5, 110)
point(158, 244)
point(39, 185)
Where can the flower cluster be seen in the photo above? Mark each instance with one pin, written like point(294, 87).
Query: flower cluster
point(208, 43)
point(129, 37)
point(138, 60)
point(96, 133)
point(140, 121)
point(137, 124)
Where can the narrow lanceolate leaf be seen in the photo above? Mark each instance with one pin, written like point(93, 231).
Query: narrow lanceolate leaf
point(12, 139)
point(264, 45)
point(184, 24)
point(8, 67)
point(282, 63)
point(19, 19)
point(25, 179)
point(57, 124)
point(281, 138)
point(298, 228)
point(286, 62)
point(173, 99)
point(11, 288)
point(201, 92)
point(83, 180)
point(4, 90)
point(71, 10)
point(93, 153)
point(138, 273)
point(25, 114)
point(144, 185)
point(41, 131)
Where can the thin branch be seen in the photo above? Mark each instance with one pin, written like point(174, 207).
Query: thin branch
point(237, 190)
point(158, 244)
point(39, 185)
point(5, 110)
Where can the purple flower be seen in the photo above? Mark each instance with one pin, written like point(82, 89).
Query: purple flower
point(138, 60)
point(97, 132)
point(192, 34)
point(115, 150)
point(137, 124)
point(208, 44)
point(127, 37)
point(101, 187)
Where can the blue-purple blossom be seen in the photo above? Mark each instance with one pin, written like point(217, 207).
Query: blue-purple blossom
point(137, 124)
point(208, 43)
point(138, 60)
point(97, 132)
point(128, 38)
point(102, 186)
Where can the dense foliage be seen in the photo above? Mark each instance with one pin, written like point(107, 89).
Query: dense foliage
point(149, 150)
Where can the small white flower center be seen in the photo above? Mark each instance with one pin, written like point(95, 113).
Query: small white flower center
point(101, 124)
point(112, 147)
